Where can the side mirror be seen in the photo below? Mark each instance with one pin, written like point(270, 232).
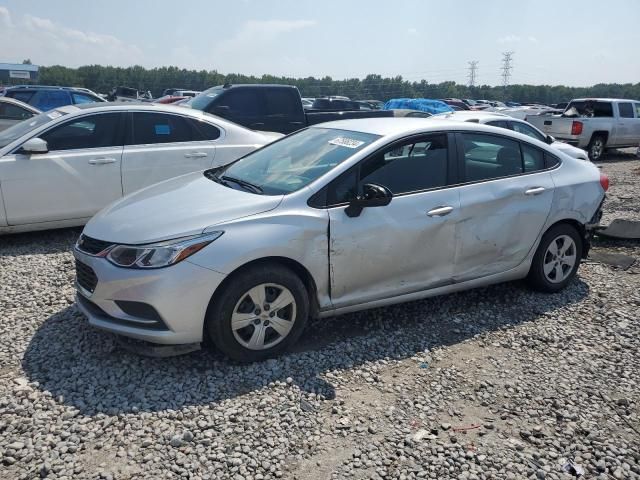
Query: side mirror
point(550, 139)
point(372, 196)
point(34, 145)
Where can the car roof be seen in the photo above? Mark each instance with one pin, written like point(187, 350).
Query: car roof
point(472, 115)
point(47, 87)
point(598, 99)
point(399, 126)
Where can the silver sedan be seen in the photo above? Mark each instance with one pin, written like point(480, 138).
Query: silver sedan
point(336, 218)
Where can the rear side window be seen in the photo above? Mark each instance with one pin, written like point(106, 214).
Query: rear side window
point(533, 158)
point(626, 110)
point(22, 96)
point(242, 102)
point(49, 99)
point(487, 157)
point(527, 130)
point(203, 130)
point(93, 131)
point(152, 128)
point(281, 101)
point(637, 110)
point(550, 161)
point(498, 123)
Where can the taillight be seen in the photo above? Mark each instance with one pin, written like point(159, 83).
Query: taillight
point(576, 128)
point(604, 182)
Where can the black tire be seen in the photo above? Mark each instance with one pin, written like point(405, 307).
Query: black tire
point(537, 278)
point(596, 147)
point(218, 322)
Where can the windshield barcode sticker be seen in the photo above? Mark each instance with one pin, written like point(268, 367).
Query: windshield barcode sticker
point(346, 142)
point(53, 115)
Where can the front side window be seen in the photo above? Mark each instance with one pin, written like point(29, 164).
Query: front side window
point(151, 128)
point(82, 98)
point(93, 131)
point(242, 102)
point(9, 111)
point(408, 167)
point(297, 160)
point(626, 110)
point(13, 133)
point(281, 101)
point(487, 157)
point(527, 130)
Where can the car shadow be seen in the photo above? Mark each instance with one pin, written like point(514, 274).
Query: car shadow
point(40, 242)
point(85, 368)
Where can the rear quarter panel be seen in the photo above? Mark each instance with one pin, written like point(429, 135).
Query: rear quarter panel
point(577, 193)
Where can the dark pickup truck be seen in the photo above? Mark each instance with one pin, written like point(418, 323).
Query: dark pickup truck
point(272, 108)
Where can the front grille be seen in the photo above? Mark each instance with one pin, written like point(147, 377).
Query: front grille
point(91, 245)
point(86, 277)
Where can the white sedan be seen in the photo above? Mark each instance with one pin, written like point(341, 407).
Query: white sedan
point(59, 168)
point(496, 119)
point(14, 111)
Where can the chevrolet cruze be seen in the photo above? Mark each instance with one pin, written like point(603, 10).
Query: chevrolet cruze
point(339, 217)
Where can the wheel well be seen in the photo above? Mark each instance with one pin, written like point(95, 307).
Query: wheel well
point(580, 229)
point(293, 265)
point(600, 133)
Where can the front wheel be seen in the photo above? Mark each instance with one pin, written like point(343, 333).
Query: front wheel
point(259, 313)
point(556, 260)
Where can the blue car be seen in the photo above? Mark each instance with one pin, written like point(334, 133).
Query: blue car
point(46, 98)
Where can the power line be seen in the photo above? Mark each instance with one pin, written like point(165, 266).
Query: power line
point(506, 68)
point(473, 68)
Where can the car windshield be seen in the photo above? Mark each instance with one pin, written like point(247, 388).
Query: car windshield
point(295, 161)
point(19, 129)
point(202, 100)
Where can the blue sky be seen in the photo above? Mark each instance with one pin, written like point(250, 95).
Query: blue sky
point(555, 42)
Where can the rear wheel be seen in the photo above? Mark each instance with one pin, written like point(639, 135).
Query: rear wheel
point(596, 147)
point(260, 312)
point(556, 260)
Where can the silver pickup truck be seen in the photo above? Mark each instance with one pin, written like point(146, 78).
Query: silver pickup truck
point(594, 124)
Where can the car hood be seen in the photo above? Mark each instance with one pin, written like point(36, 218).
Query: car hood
point(175, 208)
point(570, 150)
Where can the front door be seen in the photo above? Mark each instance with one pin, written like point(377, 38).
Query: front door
point(405, 246)
point(162, 146)
point(503, 207)
point(77, 177)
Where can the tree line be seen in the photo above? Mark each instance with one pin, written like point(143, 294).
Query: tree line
point(103, 78)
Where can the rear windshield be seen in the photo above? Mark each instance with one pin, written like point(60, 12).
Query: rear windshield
point(19, 129)
point(589, 108)
point(202, 100)
point(298, 159)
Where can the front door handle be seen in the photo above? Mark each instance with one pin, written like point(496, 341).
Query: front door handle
point(101, 161)
point(534, 191)
point(440, 211)
point(195, 155)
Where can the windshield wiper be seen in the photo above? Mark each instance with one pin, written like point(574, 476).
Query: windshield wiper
point(243, 183)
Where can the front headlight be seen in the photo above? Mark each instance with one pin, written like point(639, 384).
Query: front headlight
point(161, 254)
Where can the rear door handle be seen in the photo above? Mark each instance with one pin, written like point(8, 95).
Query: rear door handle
point(534, 191)
point(440, 211)
point(195, 155)
point(101, 161)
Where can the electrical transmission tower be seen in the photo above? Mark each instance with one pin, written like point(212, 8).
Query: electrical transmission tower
point(506, 68)
point(473, 70)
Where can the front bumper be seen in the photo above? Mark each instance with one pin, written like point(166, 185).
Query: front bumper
point(177, 297)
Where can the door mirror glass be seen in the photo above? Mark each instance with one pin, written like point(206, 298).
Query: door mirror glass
point(372, 196)
point(34, 145)
point(550, 139)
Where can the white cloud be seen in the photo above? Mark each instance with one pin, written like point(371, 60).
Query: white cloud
point(48, 43)
point(509, 39)
point(412, 32)
point(256, 39)
point(532, 39)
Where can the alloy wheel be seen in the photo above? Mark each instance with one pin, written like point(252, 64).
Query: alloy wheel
point(597, 148)
point(560, 259)
point(263, 316)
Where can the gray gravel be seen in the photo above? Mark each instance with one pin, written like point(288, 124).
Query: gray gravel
point(497, 382)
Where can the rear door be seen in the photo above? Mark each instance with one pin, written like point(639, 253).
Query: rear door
point(77, 177)
point(160, 146)
point(626, 124)
point(505, 200)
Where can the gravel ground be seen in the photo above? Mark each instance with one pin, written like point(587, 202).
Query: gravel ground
point(498, 382)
